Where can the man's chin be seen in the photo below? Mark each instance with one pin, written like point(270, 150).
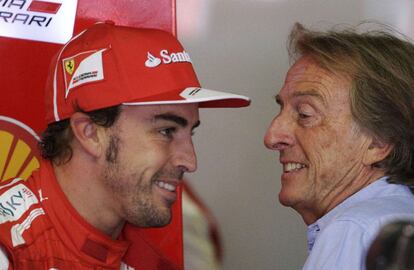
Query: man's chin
point(285, 199)
point(161, 222)
point(156, 221)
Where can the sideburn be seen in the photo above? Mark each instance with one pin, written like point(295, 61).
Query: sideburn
point(111, 154)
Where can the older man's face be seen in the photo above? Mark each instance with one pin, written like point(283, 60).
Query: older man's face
point(321, 147)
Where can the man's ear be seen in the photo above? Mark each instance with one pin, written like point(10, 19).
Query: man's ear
point(87, 134)
point(377, 151)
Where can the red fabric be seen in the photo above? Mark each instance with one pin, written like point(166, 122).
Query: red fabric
point(26, 66)
point(125, 75)
point(41, 230)
point(26, 63)
point(157, 248)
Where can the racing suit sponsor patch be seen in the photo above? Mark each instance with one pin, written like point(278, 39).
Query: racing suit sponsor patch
point(18, 229)
point(85, 67)
point(15, 202)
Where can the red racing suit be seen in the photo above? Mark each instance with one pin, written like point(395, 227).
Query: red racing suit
point(40, 230)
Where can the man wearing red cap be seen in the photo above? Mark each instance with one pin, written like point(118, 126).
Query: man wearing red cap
point(122, 105)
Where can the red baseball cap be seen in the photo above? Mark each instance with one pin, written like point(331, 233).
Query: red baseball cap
point(108, 65)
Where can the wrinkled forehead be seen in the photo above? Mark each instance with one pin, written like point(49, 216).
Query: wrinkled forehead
point(306, 75)
point(306, 69)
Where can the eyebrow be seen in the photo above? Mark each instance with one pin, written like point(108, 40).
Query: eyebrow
point(310, 92)
point(176, 119)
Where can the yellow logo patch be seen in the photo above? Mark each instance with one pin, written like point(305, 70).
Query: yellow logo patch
point(70, 66)
point(19, 154)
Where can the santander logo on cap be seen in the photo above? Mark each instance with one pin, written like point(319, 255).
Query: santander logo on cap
point(152, 61)
point(167, 58)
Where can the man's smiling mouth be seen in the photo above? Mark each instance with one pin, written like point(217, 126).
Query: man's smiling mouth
point(293, 166)
point(166, 186)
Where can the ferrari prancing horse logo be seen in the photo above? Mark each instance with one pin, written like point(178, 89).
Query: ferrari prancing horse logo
point(70, 66)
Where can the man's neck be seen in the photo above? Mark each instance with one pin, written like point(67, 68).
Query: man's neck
point(313, 213)
point(82, 187)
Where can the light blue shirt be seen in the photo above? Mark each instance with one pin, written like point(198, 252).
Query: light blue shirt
point(340, 239)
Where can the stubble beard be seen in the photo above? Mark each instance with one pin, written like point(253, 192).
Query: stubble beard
point(137, 207)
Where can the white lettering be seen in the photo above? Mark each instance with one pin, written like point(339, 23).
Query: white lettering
point(165, 57)
point(15, 202)
point(174, 57)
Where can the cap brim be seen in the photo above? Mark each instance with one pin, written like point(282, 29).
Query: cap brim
point(205, 97)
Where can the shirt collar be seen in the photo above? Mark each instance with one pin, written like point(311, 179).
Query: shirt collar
point(365, 193)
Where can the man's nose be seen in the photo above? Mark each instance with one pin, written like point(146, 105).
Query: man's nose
point(185, 157)
point(279, 135)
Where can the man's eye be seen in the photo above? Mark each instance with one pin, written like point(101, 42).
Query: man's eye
point(304, 115)
point(304, 111)
point(167, 132)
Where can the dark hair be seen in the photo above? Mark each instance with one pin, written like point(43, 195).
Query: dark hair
point(56, 139)
point(381, 69)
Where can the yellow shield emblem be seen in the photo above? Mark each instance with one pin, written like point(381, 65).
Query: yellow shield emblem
point(70, 66)
point(19, 155)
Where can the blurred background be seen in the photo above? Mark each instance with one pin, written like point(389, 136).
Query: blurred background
point(240, 46)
